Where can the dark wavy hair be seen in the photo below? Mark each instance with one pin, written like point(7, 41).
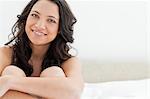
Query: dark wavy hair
point(58, 50)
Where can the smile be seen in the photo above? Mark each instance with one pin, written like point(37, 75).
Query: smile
point(39, 33)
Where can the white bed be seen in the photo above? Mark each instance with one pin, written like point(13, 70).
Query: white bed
point(131, 89)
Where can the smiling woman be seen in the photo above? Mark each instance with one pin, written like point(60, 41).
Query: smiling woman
point(36, 61)
point(42, 24)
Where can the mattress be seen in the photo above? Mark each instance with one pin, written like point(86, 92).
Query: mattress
point(131, 89)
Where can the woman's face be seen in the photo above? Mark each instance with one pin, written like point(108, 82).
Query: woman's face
point(42, 22)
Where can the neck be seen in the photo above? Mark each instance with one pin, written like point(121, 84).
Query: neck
point(38, 52)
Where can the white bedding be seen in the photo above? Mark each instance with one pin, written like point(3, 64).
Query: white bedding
point(132, 89)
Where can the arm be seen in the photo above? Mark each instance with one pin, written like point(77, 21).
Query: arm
point(17, 95)
point(5, 57)
point(69, 87)
point(5, 60)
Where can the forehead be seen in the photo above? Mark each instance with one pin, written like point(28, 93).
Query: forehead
point(46, 7)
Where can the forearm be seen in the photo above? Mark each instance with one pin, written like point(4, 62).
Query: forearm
point(54, 87)
point(17, 95)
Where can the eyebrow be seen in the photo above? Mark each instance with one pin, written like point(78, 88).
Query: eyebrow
point(48, 16)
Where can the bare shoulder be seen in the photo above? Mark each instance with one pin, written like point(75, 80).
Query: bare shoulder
point(5, 57)
point(5, 51)
point(72, 66)
point(72, 61)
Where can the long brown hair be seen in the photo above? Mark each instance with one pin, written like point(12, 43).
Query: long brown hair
point(58, 49)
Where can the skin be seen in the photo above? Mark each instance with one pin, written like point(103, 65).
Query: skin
point(41, 28)
point(52, 83)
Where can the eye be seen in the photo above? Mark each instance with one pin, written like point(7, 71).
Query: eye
point(51, 21)
point(34, 15)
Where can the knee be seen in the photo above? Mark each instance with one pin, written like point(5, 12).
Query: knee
point(53, 71)
point(13, 70)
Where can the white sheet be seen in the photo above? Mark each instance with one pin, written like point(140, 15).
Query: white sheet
point(132, 89)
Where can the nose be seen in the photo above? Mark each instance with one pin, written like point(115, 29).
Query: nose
point(40, 24)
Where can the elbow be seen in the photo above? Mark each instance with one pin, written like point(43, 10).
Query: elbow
point(67, 93)
point(75, 92)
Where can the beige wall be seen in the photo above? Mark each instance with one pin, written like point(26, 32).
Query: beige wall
point(101, 72)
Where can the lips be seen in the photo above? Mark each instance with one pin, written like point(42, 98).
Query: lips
point(39, 33)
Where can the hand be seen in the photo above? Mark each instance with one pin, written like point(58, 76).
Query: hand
point(4, 85)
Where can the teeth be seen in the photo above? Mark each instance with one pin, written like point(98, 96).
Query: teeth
point(39, 33)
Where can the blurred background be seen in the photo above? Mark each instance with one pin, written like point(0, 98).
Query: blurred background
point(111, 36)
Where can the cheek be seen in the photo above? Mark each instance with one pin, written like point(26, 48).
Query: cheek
point(53, 30)
point(52, 36)
point(27, 26)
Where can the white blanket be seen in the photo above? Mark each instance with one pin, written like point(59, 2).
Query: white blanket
point(132, 89)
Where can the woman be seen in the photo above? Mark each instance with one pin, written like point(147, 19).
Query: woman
point(36, 61)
